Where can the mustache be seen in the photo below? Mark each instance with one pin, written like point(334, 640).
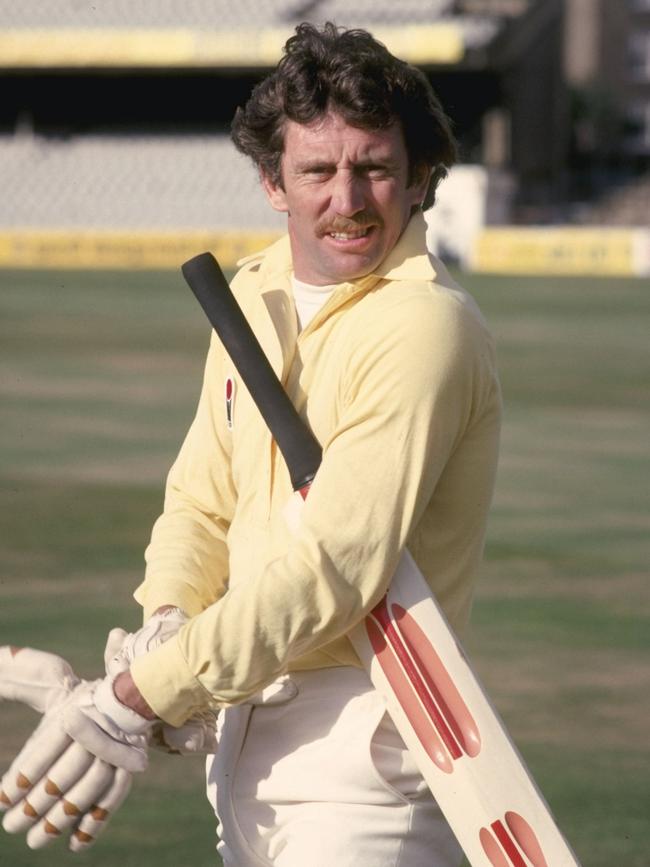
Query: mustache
point(362, 220)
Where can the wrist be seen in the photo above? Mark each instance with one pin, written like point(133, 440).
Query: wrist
point(128, 694)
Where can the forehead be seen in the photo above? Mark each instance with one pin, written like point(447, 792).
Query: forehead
point(331, 136)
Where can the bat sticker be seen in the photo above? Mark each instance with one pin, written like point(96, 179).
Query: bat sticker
point(428, 695)
point(506, 843)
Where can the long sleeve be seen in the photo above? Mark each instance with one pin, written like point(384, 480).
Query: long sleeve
point(187, 558)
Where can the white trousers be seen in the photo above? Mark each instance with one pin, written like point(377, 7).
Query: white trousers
point(323, 780)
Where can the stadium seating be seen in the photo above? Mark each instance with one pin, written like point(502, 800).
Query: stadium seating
point(188, 180)
point(136, 181)
point(208, 13)
point(205, 16)
point(164, 174)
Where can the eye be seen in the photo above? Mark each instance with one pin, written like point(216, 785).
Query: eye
point(375, 171)
point(318, 170)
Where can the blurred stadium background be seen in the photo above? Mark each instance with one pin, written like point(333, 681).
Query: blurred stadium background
point(114, 118)
point(115, 166)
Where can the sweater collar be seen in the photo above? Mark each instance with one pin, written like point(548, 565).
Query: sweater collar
point(409, 260)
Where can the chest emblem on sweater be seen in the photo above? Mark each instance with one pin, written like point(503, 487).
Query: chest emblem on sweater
point(229, 395)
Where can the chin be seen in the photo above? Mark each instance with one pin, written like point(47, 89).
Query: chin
point(354, 267)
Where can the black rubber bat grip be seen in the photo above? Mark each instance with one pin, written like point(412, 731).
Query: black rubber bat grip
point(299, 447)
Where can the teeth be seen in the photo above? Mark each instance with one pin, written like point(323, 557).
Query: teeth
point(348, 236)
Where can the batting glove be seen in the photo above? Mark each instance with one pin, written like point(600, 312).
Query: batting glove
point(54, 785)
point(122, 647)
point(198, 735)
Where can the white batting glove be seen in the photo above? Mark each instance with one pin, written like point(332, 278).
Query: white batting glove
point(96, 719)
point(54, 785)
point(197, 735)
point(123, 647)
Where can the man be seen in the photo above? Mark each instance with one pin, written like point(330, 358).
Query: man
point(390, 363)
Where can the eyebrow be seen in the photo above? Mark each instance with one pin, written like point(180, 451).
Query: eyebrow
point(310, 164)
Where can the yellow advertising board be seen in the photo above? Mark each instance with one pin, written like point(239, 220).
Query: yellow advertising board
point(124, 249)
point(438, 43)
point(562, 250)
point(507, 250)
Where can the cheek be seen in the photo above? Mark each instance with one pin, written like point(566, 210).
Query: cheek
point(395, 199)
point(305, 202)
point(397, 210)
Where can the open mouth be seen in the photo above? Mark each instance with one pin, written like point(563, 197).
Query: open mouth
point(350, 236)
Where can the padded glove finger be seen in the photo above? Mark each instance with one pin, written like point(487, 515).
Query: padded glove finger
point(94, 822)
point(57, 781)
point(39, 753)
point(67, 811)
point(64, 773)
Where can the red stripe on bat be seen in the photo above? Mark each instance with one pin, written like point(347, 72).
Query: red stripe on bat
point(524, 836)
point(508, 844)
point(407, 698)
point(439, 681)
point(492, 849)
point(527, 839)
point(382, 615)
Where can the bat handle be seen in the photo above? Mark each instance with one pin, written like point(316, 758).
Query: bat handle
point(299, 447)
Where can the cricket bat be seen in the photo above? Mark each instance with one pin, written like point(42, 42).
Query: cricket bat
point(414, 660)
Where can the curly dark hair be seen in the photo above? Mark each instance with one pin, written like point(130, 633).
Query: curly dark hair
point(351, 73)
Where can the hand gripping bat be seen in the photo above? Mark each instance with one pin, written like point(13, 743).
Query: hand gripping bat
point(414, 660)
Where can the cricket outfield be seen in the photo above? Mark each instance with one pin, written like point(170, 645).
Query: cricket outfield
point(100, 375)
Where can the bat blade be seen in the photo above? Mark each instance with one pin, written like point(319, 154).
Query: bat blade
point(481, 782)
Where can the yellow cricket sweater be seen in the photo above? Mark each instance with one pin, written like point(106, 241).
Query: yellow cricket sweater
point(396, 376)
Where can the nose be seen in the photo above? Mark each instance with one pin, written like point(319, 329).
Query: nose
point(347, 194)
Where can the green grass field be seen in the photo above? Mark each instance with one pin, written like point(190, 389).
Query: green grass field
point(100, 375)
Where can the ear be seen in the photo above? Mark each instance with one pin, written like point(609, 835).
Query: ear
point(420, 183)
point(274, 193)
